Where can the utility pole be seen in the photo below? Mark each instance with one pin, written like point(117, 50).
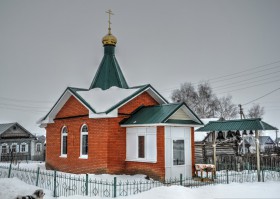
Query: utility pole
point(277, 141)
point(242, 116)
point(241, 112)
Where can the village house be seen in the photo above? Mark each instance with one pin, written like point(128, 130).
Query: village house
point(114, 128)
point(18, 144)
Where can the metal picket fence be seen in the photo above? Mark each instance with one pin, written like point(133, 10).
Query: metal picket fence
point(65, 184)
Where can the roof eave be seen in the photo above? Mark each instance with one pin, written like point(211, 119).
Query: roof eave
point(160, 124)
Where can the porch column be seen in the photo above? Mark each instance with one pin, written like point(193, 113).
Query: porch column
point(258, 155)
point(214, 149)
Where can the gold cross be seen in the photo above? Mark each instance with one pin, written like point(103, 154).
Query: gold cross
point(109, 13)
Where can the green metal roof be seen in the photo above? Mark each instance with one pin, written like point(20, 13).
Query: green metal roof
point(109, 72)
point(75, 90)
point(245, 124)
point(156, 114)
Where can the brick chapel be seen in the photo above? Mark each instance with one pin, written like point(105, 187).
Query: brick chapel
point(115, 128)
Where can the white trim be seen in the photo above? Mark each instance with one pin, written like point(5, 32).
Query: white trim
point(25, 149)
point(57, 107)
point(7, 148)
point(17, 147)
point(83, 156)
point(49, 118)
point(41, 148)
point(135, 133)
point(141, 160)
point(63, 156)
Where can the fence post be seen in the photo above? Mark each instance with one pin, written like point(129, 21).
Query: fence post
point(115, 187)
point(54, 184)
point(181, 179)
point(38, 173)
point(86, 184)
point(227, 177)
point(262, 175)
point(10, 170)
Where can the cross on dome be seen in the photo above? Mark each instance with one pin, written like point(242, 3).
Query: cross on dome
point(109, 39)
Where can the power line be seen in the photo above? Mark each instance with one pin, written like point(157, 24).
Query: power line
point(249, 87)
point(246, 70)
point(224, 85)
point(238, 84)
point(242, 75)
point(25, 100)
point(19, 106)
point(16, 109)
point(261, 96)
point(252, 68)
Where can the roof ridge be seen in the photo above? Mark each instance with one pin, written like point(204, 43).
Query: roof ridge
point(238, 120)
point(8, 123)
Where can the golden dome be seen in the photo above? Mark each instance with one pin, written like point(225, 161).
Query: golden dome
point(109, 39)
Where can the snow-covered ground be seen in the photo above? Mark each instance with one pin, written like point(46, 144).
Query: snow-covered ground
point(11, 187)
point(26, 165)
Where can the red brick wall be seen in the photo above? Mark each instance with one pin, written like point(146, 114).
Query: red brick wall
point(72, 108)
point(98, 146)
point(154, 170)
point(117, 134)
point(107, 140)
point(143, 99)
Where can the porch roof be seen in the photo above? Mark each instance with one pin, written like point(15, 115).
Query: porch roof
point(160, 114)
point(244, 124)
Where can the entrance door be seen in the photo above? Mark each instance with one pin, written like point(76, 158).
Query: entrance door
point(178, 152)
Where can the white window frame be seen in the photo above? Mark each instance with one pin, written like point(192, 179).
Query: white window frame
point(17, 147)
point(7, 148)
point(26, 147)
point(64, 135)
point(83, 156)
point(40, 146)
point(134, 134)
point(182, 139)
point(145, 148)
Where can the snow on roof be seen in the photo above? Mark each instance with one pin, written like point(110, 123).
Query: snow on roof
point(199, 136)
point(102, 100)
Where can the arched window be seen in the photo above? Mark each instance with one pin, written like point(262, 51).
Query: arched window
point(23, 147)
point(84, 142)
point(64, 134)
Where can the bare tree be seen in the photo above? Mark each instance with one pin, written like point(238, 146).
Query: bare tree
point(256, 111)
point(186, 94)
point(226, 109)
point(206, 101)
point(203, 101)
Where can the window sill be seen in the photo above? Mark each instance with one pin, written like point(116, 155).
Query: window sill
point(83, 157)
point(63, 156)
point(141, 160)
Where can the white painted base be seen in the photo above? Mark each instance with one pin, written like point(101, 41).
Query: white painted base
point(177, 133)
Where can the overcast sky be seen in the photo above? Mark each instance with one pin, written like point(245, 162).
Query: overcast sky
point(46, 46)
